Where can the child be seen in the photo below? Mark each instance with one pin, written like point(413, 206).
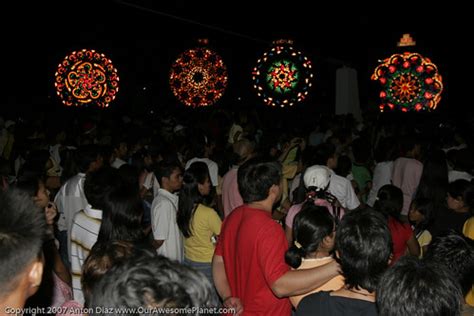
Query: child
point(420, 215)
point(313, 240)
point(390, 203)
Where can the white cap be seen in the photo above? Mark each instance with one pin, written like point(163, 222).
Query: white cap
point(317, 176)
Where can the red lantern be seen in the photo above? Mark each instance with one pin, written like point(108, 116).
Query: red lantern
point(429, 80)
point(418, 106)
point(428, 95)
point(406, 64)
point(392, 69)
point(383, 80)
point(383, 94)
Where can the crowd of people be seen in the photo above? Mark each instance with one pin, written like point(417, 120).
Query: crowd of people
point(237, 213)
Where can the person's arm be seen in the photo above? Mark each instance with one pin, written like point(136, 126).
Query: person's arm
point(289, 234)
point(297, 282)
point(222, 285)
point(413, 246)
point(157, 243)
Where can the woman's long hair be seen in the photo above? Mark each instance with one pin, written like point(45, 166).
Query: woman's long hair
point(121, 215)
point(189, 196)
point(310, 226)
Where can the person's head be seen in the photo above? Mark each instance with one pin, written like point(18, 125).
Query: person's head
point(34, 186)
point(460, 195)
point(102, 257)
point(152, 283)
point(89, 158)
point(456, 252)
point(364, 247)
point(243, 151)
point(196, 185)
point(344, 166)
point(259, 180)
point(421, 212)
point(22, 228)
point(169, 175)
point(122, 214)
point(361, 150)
point(385, 150)
point(313, 231)
point(389, 201)
point(325, 155)
point(410, 147)
point(120, 148)
point(417, 287)
point(316, 180)
point(98, 184)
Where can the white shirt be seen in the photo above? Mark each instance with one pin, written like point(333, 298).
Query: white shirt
point(454, 175)
point(342, 189)
point(117, 163)
point(84, 232)
point(211, 165)
point(70, 199)
point(382, 176)
point(164, 226)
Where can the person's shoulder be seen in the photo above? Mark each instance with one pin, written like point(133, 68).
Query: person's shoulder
point(205, 209)
point(311, 301)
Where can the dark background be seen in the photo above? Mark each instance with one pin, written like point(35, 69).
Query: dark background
point(143, 38)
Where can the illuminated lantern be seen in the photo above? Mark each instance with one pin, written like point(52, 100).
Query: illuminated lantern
point(198, 77)
point(414, 87)
point(283, 75)
point(86, 78)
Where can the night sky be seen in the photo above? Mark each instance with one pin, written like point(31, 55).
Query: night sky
point(143, 38)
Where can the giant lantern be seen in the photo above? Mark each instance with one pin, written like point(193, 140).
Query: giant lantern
point(409, 81)
point(86, 78)
point(283, 75)
point(198, 77)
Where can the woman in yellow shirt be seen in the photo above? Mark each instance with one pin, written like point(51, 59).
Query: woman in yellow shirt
point(199, 224)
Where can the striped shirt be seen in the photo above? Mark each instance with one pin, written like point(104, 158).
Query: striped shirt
point(84, 231)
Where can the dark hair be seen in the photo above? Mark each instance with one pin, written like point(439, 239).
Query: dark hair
point(165, 169)
point(364, 244)
point(22, 228)
point(462, 189)
point(85, 155)
point(323, 153)
point(98, 184)
point(102, 257)
point(121, 215)
point(153, 283)
point(29, 184)
point(255, 178)
point(310, 226)
point(424, 207)
point(389, 201)
point(434, 179)
point(456, 252)
point(189, 196)
point(417, 287)
point(463, 160)
point(361, 150)
point(344, 166)
point(385, 150)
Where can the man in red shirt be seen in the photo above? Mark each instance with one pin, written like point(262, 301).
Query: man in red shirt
point(249, 268)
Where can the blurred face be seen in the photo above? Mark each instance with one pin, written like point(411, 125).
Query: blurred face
point(175, 181)
point(454, 203)
point(42, 197)
point(205, 188)
point(122, 150)
point(415, 216)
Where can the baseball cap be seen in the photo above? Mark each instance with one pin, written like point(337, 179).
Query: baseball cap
point(317, 176)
